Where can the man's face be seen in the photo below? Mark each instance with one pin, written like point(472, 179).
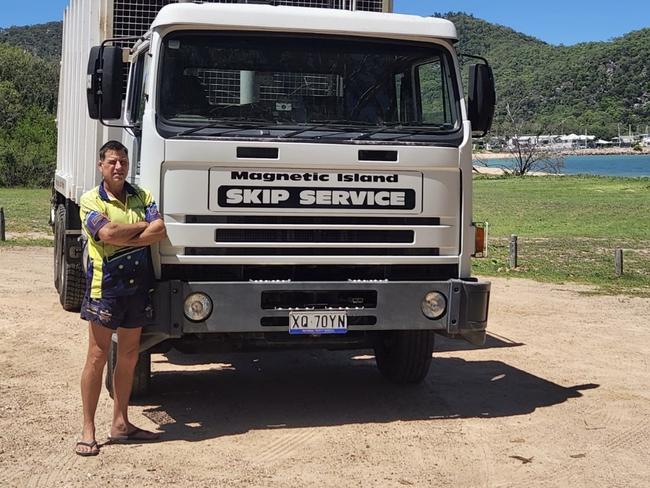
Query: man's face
point(114, 167)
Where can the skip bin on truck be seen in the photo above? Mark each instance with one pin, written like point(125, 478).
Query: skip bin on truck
point(312, 165)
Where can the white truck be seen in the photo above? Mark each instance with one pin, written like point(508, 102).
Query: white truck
point(313, 168)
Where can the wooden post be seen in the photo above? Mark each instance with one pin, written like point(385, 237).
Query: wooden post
point(2, 224)
point(512, 256)
point(618, 261)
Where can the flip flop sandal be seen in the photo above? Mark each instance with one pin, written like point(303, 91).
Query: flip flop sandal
point(90, 445)
point(134, 436)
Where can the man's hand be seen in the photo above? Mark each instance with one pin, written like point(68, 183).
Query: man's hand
point(155, 232)
point(121, 234)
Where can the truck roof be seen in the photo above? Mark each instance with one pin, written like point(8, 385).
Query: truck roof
point(300, 19)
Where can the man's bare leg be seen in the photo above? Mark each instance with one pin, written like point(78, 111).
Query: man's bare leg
point(128, 348)
point(127, 357)
point(99, 340)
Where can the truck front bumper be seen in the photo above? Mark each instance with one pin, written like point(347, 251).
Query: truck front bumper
point(243, 307)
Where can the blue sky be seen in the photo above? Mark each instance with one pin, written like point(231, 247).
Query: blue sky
point(554, 21)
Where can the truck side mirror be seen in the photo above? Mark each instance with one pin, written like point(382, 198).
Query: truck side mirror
point(481, 97)
point(104, 83)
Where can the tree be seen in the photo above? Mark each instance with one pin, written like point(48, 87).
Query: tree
point(11, 107)
point(28, 152)
point(28, 92)
point(528, 152)
point(35, 79)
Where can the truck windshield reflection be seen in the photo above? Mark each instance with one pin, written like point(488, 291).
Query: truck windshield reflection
point(232, 85)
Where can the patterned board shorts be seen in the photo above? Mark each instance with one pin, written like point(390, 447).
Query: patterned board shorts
point(130, 311)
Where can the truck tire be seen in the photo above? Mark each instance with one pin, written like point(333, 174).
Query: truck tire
point(404, 356)
point(70, 281)
point(141, 374)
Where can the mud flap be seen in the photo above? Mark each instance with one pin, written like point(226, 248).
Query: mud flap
point(468, 310)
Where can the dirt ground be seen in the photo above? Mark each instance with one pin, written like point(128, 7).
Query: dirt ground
point(559, 396)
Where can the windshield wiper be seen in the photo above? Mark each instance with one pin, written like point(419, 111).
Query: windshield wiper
point(347, 125)
point(341, 125)
point(408, 131)
point(403, 130)
point(223, 122)
point(383, 128)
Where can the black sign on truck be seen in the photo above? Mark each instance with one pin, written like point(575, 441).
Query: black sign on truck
point(306, 197)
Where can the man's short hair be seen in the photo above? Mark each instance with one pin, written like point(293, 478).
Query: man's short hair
point(112, 146)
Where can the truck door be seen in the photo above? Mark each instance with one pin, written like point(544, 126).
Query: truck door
point(137, 97)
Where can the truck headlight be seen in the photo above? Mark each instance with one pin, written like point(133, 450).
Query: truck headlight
point(197, 307)
point(434, 305)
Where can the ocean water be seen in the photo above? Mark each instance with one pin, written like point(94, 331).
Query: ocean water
point(610, 165)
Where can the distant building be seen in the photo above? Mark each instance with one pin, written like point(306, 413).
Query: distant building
point(496, 143)
point(624, 141)
point(645, 140)
point(548, 141)
point(574, 141)
point(555, 142)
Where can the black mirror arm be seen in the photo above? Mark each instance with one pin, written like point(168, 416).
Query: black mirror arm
point(474, 56)
point(135, 130)
point(483, 134)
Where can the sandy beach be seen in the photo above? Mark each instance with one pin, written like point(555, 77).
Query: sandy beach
point(491, 170)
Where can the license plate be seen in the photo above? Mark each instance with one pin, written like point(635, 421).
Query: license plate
point(318, 322)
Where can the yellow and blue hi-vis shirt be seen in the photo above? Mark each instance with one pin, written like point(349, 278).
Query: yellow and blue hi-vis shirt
point(116, 270)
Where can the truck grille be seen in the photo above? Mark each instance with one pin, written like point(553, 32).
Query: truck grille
point(306, 272)
point(314, 236)
point(307, 237)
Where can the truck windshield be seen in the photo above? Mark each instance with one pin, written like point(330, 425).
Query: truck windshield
point(214, 84)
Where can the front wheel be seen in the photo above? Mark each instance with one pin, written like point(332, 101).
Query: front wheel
point(404, 356)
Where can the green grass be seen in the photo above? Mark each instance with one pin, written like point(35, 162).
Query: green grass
point(568, 228)
point(27, 213)
point(560, 206)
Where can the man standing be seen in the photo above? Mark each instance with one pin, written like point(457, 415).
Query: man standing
point(120, 222)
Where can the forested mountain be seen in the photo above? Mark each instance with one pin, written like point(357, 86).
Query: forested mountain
point(43, 40)
point(590, 87)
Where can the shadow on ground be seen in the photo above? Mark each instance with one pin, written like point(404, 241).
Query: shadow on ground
point(244, 392)
point(492, 341)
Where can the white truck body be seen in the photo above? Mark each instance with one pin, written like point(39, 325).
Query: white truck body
point(273, 221)
point(79, 137)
